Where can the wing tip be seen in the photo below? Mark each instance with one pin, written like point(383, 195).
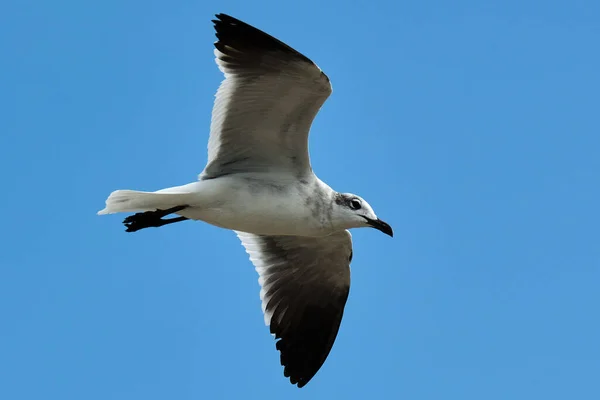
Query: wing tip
point(237, 34)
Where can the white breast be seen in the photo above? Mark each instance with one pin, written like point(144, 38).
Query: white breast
point(242, 204)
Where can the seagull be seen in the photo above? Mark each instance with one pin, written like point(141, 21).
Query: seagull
point(259, 183)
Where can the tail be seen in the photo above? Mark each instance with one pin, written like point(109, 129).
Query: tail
point(136, 201)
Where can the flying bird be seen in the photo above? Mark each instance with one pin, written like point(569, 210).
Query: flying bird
point(258, 182)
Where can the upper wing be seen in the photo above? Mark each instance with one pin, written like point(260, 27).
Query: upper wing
point(304, 286)
point(265, 106)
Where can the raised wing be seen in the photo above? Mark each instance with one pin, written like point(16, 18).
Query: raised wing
point(304, 286)
point(265, 106)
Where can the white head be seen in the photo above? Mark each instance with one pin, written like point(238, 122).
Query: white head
point(351, 211)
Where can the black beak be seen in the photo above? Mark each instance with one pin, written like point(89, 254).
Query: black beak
point(381, 226)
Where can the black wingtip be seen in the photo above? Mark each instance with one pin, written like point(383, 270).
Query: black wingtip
point(305, 347)
point(244, 37)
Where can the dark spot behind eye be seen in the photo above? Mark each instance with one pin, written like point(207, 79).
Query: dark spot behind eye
point(351, 202)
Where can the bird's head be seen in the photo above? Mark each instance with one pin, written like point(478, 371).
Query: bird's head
point(352, 211)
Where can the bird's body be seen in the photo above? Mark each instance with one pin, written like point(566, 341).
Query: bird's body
point(258, 182)
point(265, 204)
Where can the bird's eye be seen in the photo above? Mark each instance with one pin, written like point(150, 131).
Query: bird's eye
point(355, 204)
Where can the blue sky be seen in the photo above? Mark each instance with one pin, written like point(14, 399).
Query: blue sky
point(473, 129)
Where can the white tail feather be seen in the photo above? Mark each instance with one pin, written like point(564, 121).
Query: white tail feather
point(132, 200)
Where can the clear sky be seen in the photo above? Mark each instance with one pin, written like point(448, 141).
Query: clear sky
point(473, 129)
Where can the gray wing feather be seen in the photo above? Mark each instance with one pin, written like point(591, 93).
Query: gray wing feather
point(305, 283)
point(265, 106)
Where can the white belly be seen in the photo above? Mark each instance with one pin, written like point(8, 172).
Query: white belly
point(277, 209)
